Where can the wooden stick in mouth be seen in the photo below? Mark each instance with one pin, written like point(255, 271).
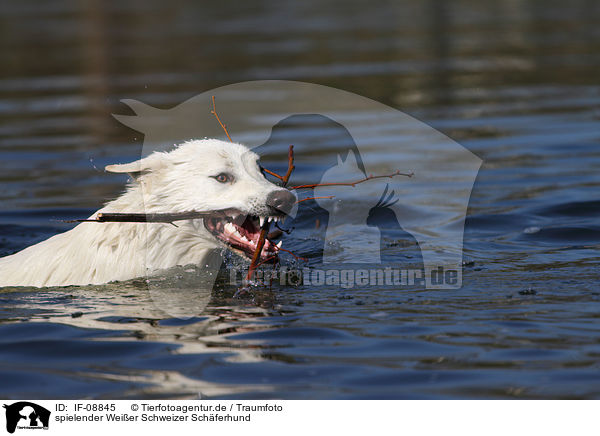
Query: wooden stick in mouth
point(106, 217)
point(265, 227)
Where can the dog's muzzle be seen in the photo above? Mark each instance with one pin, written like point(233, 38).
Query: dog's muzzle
point(241, 231)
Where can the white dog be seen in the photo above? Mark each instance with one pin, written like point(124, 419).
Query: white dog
point(206, 175)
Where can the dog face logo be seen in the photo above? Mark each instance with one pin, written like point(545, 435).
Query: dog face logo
point(26, 415)
point(347, 216)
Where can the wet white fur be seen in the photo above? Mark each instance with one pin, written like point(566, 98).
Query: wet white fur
point(177, 181)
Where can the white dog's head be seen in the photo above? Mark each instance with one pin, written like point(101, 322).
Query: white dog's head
point(212, 175)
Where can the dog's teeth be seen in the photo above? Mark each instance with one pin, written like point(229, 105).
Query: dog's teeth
point(283, 220)
point(261, 220)
point(279, 244)
point(269, 219)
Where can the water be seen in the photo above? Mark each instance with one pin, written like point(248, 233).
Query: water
point(514, 82)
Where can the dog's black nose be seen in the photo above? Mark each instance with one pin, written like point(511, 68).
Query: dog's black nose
point(281, 201)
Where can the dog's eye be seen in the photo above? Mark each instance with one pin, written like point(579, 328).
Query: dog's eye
point(223, 178)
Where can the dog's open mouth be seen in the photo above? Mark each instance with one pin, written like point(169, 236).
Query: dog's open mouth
point(241, 231)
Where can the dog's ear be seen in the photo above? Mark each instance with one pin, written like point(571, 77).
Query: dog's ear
point(140, 167)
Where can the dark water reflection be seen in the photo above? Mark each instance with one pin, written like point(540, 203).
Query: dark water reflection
point(516, 82)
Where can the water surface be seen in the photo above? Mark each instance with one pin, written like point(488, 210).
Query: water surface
point(515, 82)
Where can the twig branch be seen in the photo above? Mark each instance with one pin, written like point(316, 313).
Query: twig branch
point(265, 227)
point(370, 177)
point(271, 257)
point(291, 166)
point(314, 198)
point(273, 174)
point(214, 112)
point(143, 217)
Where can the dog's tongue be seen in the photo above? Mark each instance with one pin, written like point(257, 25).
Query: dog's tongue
point(252, 230)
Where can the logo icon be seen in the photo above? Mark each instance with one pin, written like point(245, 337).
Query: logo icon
point(26, 415)
point(429, 208)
